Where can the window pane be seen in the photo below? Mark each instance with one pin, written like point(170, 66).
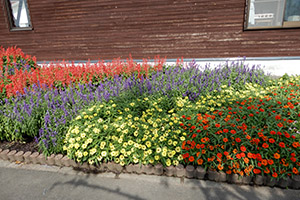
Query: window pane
point(265, 13)
point(20, 13)
point(292, 10)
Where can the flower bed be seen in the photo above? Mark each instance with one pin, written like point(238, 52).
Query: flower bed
point(232, 118)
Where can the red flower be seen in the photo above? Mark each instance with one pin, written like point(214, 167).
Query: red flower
point(293, 159)
point(243, 148)
point(225, 130)
point(225, 140)
point(193, 127)
point(219, 155)
point(271, 140)
point(272, 132)
point(186, 155)
point(280, 125)
point(198, 131)
point(251, 115)
point(281, 144)
point(238, 156)
point(217, 125)
point(233, 131)
point(265, 145)
point(188, 118)
point(256, 171)
point(183, 116)
point(242, 154)
point(293, 154)
point(277, 117)
point(274, 174)
point(238, 140)
point(226, 153)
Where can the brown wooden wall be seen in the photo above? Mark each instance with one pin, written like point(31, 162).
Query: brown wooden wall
point(106, 29)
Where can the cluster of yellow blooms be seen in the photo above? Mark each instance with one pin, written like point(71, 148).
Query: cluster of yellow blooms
point(123, 138)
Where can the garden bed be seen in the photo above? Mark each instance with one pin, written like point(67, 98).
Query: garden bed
point(233, 121)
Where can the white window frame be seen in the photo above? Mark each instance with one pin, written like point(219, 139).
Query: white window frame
point(285, 24)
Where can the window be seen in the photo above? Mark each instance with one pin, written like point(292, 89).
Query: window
point(18, 15)
point(264, 14)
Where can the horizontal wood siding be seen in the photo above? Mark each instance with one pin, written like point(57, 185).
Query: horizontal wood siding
point(106, 29)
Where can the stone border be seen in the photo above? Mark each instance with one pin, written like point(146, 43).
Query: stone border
point(178, 171)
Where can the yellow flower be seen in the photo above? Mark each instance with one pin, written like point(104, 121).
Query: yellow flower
point(93, 151)
point(132, 104)
point(82, 135)
point(164, 154)
point(177, 149)
point(158, 150)
point(85, 153)
point(71, 140)
point(103, 153)
point(100, 120)
point(78, 117)
point(84, 145)
point(156, 157)
point(170, 154)
point(90, 140)
point(129, 116)
point(168, 162)
point(126, 109)
point(91, 161)
point(114, 105)
point(79, 154)
point(175, 162)
point(122, 163)
point(105, 127)
point(148, 144)
point(76, 145)
point(180, 157)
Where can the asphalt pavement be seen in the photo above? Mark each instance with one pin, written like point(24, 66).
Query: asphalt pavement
point(30, 182)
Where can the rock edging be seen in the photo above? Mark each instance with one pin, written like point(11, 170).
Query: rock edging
point(179, 171)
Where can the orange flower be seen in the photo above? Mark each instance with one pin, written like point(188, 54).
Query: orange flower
point(200, 161)
point(295, 144)
point(246, 160)
point(220, 167)
point(295, 170)
point(264, 162)
point(276, 155)
point(270, 162)
point(225, 140)
point(203, 151)
point(228, 171)
point(267, 171)
point(235, 151)
point(191, 158)
point(203, 140)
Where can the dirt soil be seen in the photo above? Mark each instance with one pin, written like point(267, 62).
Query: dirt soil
point(19, 146)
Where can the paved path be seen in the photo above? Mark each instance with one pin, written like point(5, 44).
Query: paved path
point(30, 182)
